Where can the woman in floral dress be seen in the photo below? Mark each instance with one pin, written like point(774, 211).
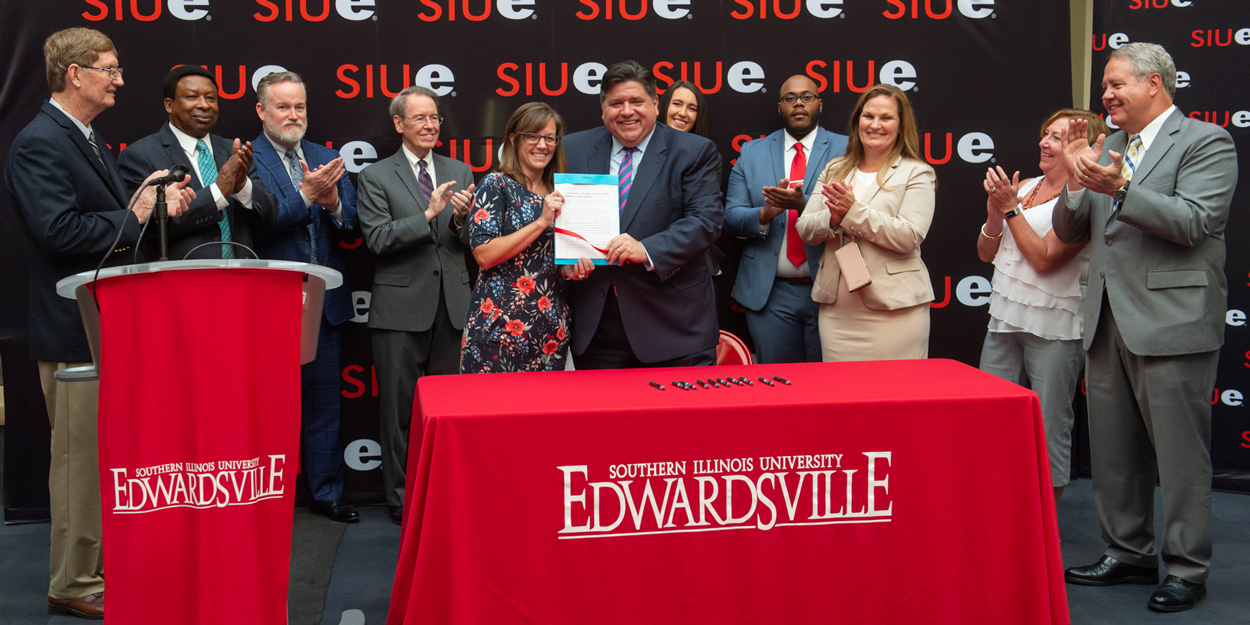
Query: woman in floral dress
point(518, 319)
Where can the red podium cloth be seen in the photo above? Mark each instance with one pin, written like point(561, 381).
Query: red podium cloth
point(876, 492)
point(199, 434)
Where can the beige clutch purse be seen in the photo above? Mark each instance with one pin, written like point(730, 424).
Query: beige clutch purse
point(854, 270)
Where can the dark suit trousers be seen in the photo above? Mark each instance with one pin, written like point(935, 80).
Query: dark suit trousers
point(400, 358)
point(786, 328)
point(609, 349)
point(319, 430)
point(1148, 414)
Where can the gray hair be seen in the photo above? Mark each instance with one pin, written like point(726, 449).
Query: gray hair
point(1147, 59)
point(262, 87)
point(399, 104)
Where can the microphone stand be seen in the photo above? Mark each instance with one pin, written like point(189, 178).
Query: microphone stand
point(162, 218)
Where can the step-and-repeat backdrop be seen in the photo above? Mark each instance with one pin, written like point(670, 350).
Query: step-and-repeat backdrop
point(982, 75)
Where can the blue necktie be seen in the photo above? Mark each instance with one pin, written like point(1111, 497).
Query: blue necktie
point(297, 176)
point(208, 175)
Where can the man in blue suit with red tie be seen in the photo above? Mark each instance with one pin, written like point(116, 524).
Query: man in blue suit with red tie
point(316, 206)
point(768, 188)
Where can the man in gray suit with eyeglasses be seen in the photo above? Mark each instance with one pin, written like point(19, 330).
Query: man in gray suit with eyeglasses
point(421, 282)
point(1154, 206)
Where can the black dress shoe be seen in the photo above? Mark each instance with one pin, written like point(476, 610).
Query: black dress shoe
point(397, 515)
point(1108, 572)
point(336, 510)
point(1176, 595)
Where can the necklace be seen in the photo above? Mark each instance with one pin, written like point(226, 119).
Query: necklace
point(1028, 202)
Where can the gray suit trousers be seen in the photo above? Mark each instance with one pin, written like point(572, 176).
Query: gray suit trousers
point(1150, 416)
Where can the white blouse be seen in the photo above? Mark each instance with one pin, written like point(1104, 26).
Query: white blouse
point(1048, 306)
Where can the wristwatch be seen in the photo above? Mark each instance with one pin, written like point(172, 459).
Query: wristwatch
point(1120, 193)
point(1011, 213)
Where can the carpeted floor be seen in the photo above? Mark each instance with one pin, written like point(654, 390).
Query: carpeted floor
point(341, 574)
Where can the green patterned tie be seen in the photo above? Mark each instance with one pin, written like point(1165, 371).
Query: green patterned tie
point(208, 175)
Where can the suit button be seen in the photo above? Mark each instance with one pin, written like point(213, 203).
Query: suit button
point(1108, 242)
point(436, 272)
point(1102, 275)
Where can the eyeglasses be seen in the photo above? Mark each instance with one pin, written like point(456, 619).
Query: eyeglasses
point(807, 98)
point(114, 72)
point(420, 120)
point(533, 139)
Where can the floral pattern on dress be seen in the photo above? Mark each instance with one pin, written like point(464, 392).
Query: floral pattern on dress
point(518, 319)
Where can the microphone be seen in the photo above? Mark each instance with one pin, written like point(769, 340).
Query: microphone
point(176, 174)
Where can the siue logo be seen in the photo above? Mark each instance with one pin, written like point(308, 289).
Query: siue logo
point(387, 81)
point(300, 11)
point(447, 10)
point(1159, 4)
point(840, 74)
point(787, 9)
point(186, 10)
point(1219, 38)
point(1238, 119)
point(939, 9)
point(612, 9)
point(970, 291)
point(531, 79)
point(358, 155)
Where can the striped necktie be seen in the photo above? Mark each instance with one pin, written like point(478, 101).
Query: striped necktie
point(427, 184)
point(297, 176)
point(208, 175)
point(1132, 156)
point(95, 146)
point(625, 176)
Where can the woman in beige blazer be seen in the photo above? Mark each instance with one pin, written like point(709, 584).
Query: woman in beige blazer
point(877, 198)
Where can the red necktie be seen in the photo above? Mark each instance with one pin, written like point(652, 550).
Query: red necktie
point(794, 245)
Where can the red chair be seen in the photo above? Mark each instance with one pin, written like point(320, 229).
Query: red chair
point(731, 350)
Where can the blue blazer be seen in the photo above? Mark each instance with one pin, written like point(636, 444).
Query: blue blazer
point(761, 164)
point(71, 206)
point(199, 224)
point(288, 238)
point(675, 211)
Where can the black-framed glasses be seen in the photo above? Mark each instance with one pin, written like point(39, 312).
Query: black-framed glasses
point(806, 98)
point(420, 120)
point(531, 138)
point(114, 72)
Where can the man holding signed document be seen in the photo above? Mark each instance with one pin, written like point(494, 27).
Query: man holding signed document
point(648, 306)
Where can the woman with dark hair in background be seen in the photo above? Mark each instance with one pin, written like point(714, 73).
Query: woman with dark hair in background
point(682, 107)
point(518, 319)
point(1034, 336)
point(875, 202)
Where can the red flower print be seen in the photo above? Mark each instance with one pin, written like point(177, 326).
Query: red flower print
point(560, 333)
point(550, 346)
point(480, 216)
point(544, 303)
point(515, 327)
point(525, 284)
point(487, 307)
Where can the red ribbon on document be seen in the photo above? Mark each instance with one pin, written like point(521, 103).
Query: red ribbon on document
point(578, 236)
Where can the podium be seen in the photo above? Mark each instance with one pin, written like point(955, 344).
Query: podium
point(199, 369)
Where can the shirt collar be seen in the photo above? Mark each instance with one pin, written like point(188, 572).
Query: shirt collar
point(413, 159)
point(641, 148)
point(282, 149)
point(1152, 129)
point(86, 130)
point(807, 140)
point(188, 142)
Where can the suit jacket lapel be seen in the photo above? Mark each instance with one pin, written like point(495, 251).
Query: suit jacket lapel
point(99, 164)
point(645, 175)
point(816, 161)
point(176, 155)
point(1159, 147)
point(777, 154)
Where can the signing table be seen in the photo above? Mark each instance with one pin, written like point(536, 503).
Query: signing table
point(882, 492)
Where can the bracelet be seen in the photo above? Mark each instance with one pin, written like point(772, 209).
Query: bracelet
point(1000, 235)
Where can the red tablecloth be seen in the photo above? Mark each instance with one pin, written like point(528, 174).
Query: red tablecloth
point(887, 492)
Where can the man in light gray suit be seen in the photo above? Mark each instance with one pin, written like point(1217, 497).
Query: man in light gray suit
point(1154, 207)
point(421, 282)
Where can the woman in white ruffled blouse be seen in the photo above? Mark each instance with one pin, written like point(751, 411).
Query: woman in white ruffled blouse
point(1034, 336)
